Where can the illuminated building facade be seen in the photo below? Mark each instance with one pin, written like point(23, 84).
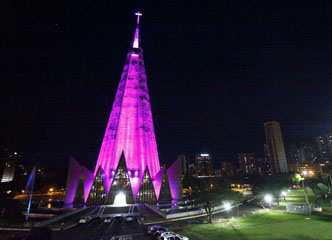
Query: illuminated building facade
point(312, 169)
point(227, 169)
point(10, 160)
point(128, 164)
point(302, 153)
point(184, 159)
point(204, 166)
point(247, 163)
point(324, 145)
point(276, 148)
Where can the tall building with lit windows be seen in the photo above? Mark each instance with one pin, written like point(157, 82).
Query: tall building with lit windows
point(10, 160)
point(324, 146)
point(203, 164)
point(276, 148)
point(247, 163)
point(184, 159)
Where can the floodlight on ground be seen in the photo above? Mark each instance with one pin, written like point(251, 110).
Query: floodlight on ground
point(120, 199)
point(268, 198)
point(227, 206)
point(304, 173)
point(284, 194)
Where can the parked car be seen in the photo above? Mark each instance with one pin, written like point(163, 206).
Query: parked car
point(130, 219)
point(118, 219)
point(97, 219)
point(108, 219)
point(172, 236)
point(267, 205)
point(85, 219)
point(159, 232)
point(152, 230)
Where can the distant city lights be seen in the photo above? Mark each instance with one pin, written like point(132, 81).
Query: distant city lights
point(205, 155)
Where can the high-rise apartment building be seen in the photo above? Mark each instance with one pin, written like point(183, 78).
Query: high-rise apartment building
point(276, 148)
point(247, 163)
point(184, 159)
point(262, 166)
point(10, 160)
point(204, 166)
point(267, 158)
point(302, 153)
point(324, 146)
point(227, 168)
point(312, 169)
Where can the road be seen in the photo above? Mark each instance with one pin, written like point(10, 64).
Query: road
point(112, 231)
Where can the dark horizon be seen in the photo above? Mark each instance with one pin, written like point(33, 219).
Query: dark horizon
point(216, 73)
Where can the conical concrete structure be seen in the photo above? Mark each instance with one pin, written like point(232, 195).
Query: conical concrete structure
point(130, 127)
point(129, 135)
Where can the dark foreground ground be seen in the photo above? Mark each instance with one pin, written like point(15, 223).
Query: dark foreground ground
point(69, 228)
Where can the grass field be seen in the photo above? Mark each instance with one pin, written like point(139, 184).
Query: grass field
point(270, 225)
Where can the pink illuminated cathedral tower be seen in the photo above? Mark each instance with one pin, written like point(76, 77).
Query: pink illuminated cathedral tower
point(130, 127)
point(128, 154)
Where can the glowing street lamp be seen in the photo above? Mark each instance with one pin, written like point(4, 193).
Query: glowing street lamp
point(227, 207)
point(284, 194)
point(268, 199)
point(304, 188)
point(120, 199)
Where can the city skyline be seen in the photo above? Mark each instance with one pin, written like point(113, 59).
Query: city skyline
point(210, 93)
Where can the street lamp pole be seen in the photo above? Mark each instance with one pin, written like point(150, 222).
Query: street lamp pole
point(304, 188)
point(227, 207)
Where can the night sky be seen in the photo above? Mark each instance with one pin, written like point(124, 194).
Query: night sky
point(216, 72)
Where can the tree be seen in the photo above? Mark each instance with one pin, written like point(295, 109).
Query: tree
point(274, 185)
point(296, 178)
point(329, 177)
point(211, 197)
point(319, 188)
point(209, 200)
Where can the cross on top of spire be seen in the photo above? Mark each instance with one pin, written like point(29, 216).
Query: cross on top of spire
point(138, 14)
point(135, 43)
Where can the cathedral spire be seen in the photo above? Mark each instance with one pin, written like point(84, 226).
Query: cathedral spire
point(136, 37)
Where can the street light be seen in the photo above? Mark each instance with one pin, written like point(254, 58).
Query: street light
point(268, 199)
point(284, 194)
point(305, 190)
point(227, 207)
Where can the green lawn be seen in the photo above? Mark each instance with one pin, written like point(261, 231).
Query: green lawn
point(269, 225)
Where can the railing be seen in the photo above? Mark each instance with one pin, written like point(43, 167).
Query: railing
point(196, 213)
